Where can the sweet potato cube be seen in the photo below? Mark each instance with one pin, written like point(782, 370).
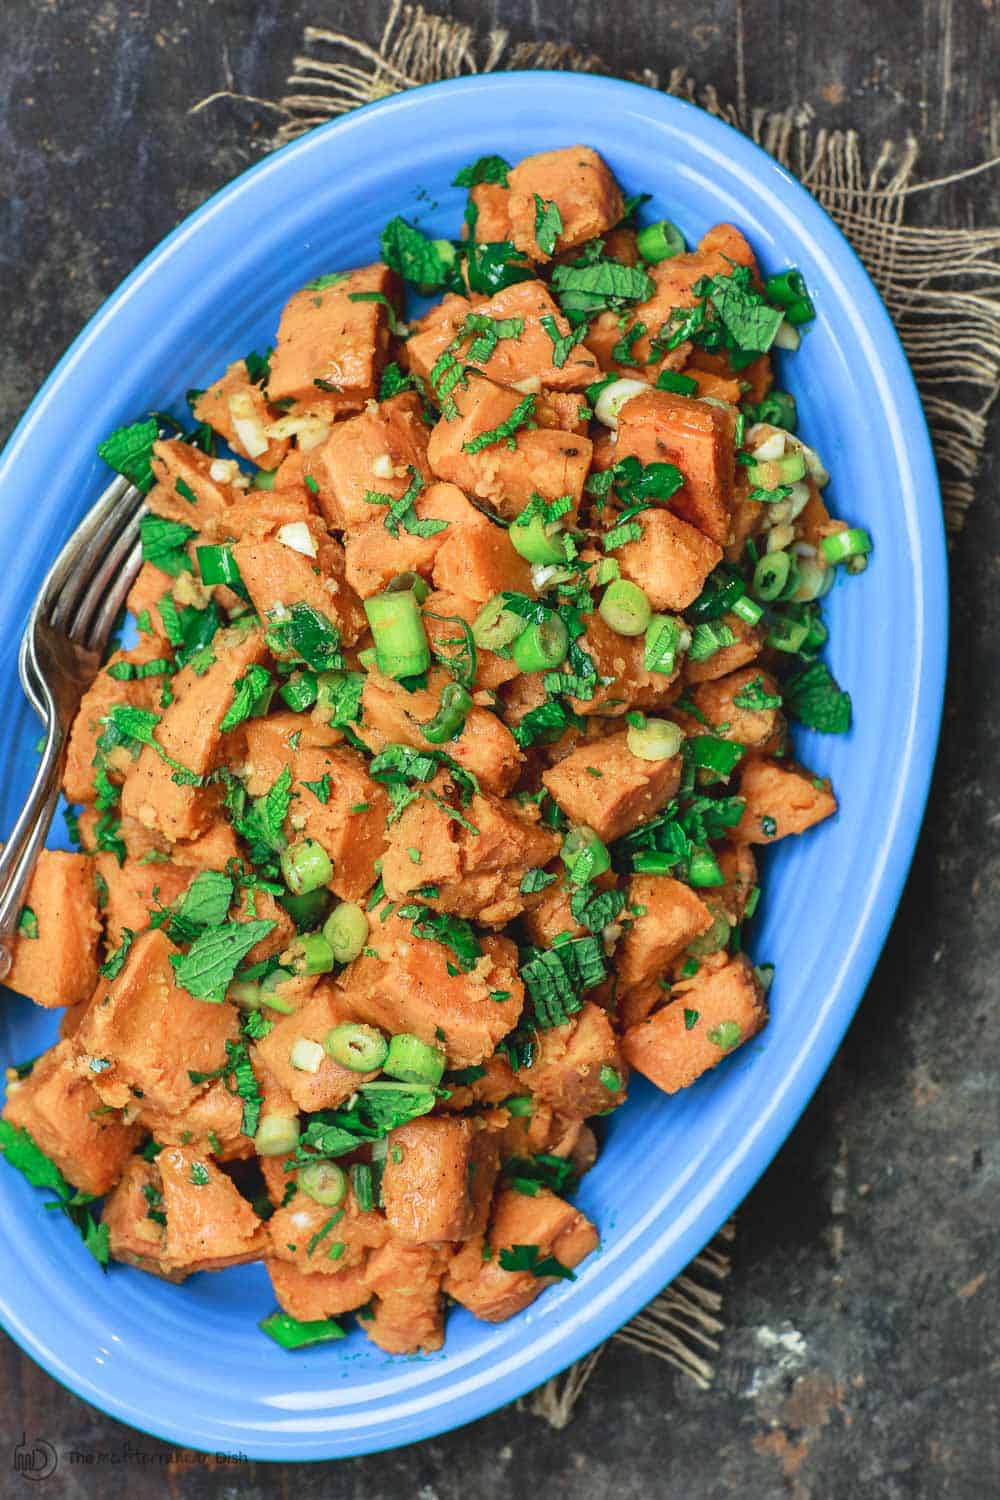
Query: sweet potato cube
point(402, 983)
point(374, 453)
point(492, 202)
point(516, 361)
point(578, 1068)
point(673, 917)
point(433, 1169)
point(374, 556)
point(350, 824)
point(623, 681)
point(297, 1237)
point(326, 336)
point(729, 1008)
point(747, 646)
point(58, 966)
point(128, 892)
point(133, 1236)
point(408, 1308)
point(477, 560)
point(578, 182)
point(277, 576)
point(780, 799)
point(190, 733)
point(661, 427)
point(237, 410)
point(152, 1032)
point(309, 1297)
point(63, 1115)
point(718, 702)
point(103, 693)
point(212, 1124)
point(556, 1227)
point(313, 1018)
point(670, 561)
point(390, 715)
point(182, 470)
point(209, 1225)
point(542, 460)
point(623, 794)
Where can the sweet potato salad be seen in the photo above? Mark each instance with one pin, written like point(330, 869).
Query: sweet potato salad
point(423, 813)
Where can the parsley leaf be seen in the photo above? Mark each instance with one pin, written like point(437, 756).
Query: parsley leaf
point(308, 635)
point(414, 256)
point(813, 697)
point(129, 451)
point(27, 923)
point(163, 544)
point(208, 968)
point(23, 1153)
point(485, 169)
point(529, 1258)
point(548, 224)
point(247, 690)
point(320, 789)
point(756, 697)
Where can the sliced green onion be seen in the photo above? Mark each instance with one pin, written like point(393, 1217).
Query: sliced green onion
point(777, 408)
point(312, 954)
point(672, 380)
point(264, 479)
point(711, 941)
point(216, 564)
point(363, 1049)
point(770, 575)
point(659, 241)
point(786, 287)
point(400, 639)
point(772, 472)
point(663, 637)
point(657, 739)
point(614, 396)
point(346, 930)
point(292, 1333)
point(542, 645)
point(300, 691)
point(703, 869)
point(413, 1061)
point(277, 1135)
point(536, 541)
point(787, 635)
point(720, 594)
point(308, 910)
point(843, 545)
point(306, 1056)
point(268, 988)
point(608, 569)
point(454, 707)
point(332, 688)
point(813, 581)
point(245, 993)
point(368, 658)
point(652, 862)
point(625, 608)
point(324, 1182)
point(496, 627)
point(748, 610)
point(306, 866)
point(584, 855)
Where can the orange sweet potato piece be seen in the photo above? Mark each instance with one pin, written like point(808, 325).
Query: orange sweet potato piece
point(730, 1009)
point(237, 409)
point(543, 460)
point(391, 715)
point(436, 1173)
point(746, 647)
point(190, 732)
point(674, 915)
point(716, 701)
point(578, 182)
point(670, 561)
point(63, 1115)
point(128, 892)
point(524, 361)
point(374, 556)
point(406, 986)
point(311, 1297)
point(477, 561)
point(780, 799)
point(59, 965)
point(492, 202)
point(103, 693)
point(152, 1032)
point(325, 336)
point(408, 1308)
point(350, 824)
point(623, 681)
point(133, 1236)
point(277, 576)
point(314, 1016)
point(295, 1233)
point(178, 468)
point(626, 792)
point(209, 1225)
point(556, 1227)
point(578, 1068)
point(662, 427)
point(375, 453)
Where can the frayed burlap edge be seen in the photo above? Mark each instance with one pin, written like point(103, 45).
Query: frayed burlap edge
point(940, 285)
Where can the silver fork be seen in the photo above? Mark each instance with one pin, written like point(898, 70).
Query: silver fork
point(61, 650)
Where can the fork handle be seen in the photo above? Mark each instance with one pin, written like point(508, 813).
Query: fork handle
point(20, 855)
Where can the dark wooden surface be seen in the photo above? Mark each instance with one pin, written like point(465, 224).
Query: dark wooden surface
point(861, 1355)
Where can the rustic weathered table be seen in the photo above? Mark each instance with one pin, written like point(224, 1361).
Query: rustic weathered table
point(860, 1357)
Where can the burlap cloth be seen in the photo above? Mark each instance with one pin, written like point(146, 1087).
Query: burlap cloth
point(941, 286)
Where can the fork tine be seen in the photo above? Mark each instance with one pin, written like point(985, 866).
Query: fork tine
point(104, 620)
point(105, 572)
point(28, 681)
point(91, 556)
point(68, 559)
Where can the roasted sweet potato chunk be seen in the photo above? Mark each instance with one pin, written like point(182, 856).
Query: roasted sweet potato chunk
point(624, 792)
point(780, 799)
point(55, 951)
point(728, 1006)
point(332, 340)
point(580, 184)
point(481, 1283)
